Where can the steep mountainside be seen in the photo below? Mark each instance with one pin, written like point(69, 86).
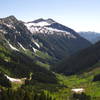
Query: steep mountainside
point(57, 39)
point(44, 40)
point(19, 65)
point(93, 37)
point(81, 61)
point(26, 48)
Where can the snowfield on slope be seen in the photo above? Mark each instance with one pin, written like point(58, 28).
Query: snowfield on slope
point(78, 90)
point(37, 24)
point(13, 79)
point(43, 27)
point(12, 47)
point(21, 46)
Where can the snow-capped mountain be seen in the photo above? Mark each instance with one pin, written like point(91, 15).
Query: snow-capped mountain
point(53, 33)
point(93, 37)
point(44, 39)
point(44, 26)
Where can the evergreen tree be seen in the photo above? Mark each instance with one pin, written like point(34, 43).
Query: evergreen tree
point(27, 96)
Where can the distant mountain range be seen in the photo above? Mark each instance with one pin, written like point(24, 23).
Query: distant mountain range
point(93, 37)
point(46, 40)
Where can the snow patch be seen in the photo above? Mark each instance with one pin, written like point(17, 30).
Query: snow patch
point(3, 31)
point(37, 44)
point(56, 30)
point(12, 47)
point(44, 29)
point(21, 46)
point(78, 90)
point(37, 24)
point(10, 26)
point(13, 79)
point(35, 50)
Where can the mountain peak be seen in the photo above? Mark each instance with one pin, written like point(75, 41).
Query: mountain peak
point(38, 20)
point(49, 21)
point(11, 18)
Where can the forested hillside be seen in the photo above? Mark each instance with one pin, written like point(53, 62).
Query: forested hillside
point(81, 61)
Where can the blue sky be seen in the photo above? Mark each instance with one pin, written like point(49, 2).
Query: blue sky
point(81, 15)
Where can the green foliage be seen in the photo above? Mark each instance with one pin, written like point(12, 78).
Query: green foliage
point(20, 65)
point(45, 65)
point(81, 61)
point(23, 94)
point(81, 96)
point(97, 78)
point(84, 80)
point(43, 55)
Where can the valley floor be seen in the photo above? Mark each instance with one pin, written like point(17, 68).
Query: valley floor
point(69, 85)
